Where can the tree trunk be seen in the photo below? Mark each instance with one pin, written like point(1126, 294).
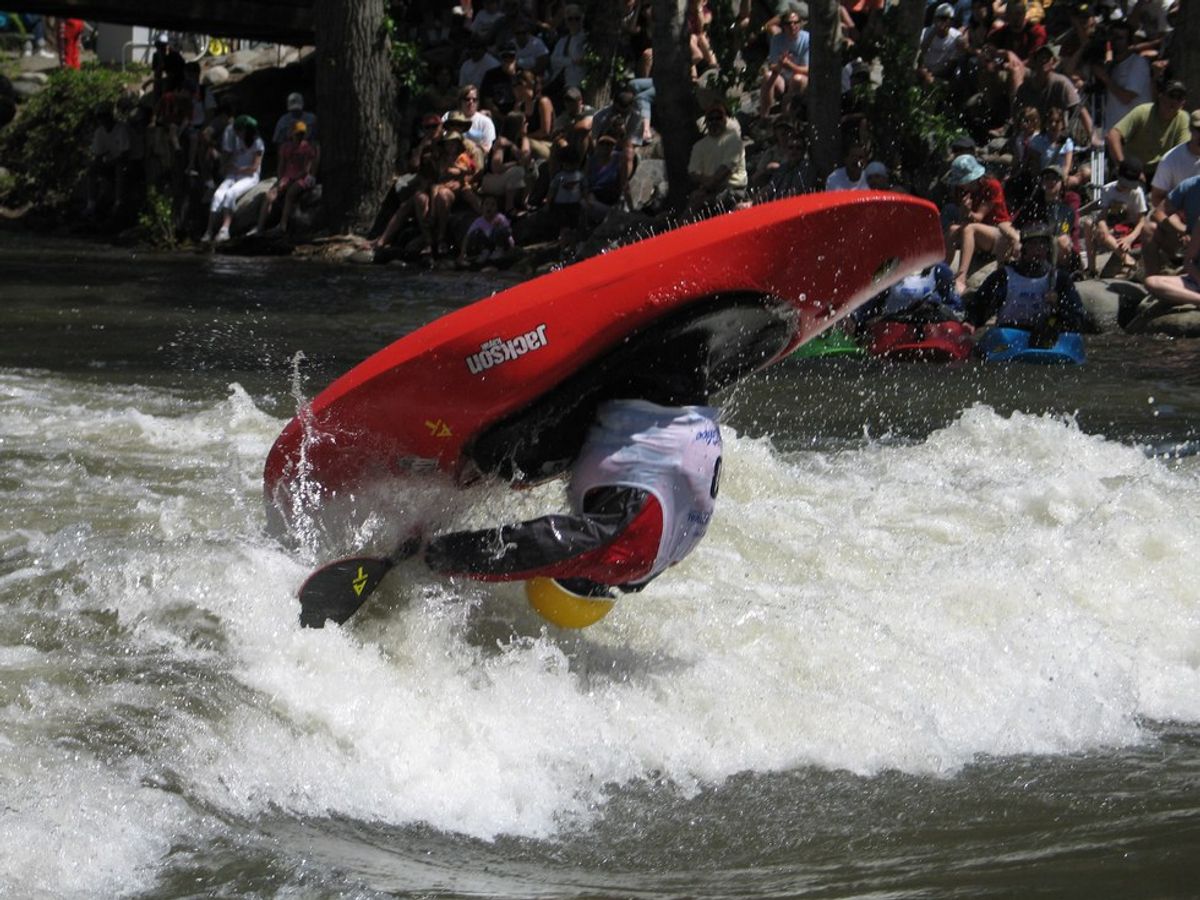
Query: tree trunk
point(1185, 56)
point(825, 84)
point(356, 100)
point(910, 20)
point(604, 37)
point(674, 103)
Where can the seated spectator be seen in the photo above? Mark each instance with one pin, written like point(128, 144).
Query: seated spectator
point(697, 20)
point(532, 53)
point(717, 166)
point(1118, 220)
point(1170, 223)
point(1179, 163)
point(297, 174)
point(1148, 131)
point(603, 187)
point(241, 174)
point(509, 166)
point(1026, 162)
point(1030, 293)
point(877, 177)
point(1018, 34)
point(852, 175)
point(477, 64)
point(167, 64)
point(1044, 87)
point(1054, 146)
point(284, 126)
point(787, 60)
point(498, 86)
point(441, 93)
point(1127, 78)
point(796, 173)
point(486, 22)
point(538, 112)
point(1182, 289)
point(978, 219)
point(568, 59)
point(1047, 206)
point(564, 198)
point(458, 177)
point(109, 167)
point(489, 238)
point(942, 46)
point(482, 130)
point(772, 157)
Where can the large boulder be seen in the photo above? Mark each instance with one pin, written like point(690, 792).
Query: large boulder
point(1109, 302)
point(1153, 316)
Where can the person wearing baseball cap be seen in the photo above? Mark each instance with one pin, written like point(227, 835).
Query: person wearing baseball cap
point(1118, 221)
point(1149, 130)
point(295, 113)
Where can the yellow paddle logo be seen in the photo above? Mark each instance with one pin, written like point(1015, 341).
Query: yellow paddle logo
point(360, 582)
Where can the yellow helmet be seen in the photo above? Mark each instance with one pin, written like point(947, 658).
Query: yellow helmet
point(564, 608)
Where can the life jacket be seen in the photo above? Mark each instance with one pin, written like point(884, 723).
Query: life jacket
point(1024, 299)
point(907, 291)
point(674, 453)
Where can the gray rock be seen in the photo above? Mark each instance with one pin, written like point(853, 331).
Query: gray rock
point(245, 216)
point(26, 89)
point(1104, 299)
point(215, 75)
point(34, 77)
point(649, 176)
point(1155, 317)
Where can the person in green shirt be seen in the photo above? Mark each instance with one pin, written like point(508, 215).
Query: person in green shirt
point(1151, 129)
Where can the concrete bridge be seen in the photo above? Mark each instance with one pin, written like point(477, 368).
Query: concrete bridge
point(277, 21)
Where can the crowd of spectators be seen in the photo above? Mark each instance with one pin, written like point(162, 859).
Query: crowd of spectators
point(1070, 117)
point(1066, 112)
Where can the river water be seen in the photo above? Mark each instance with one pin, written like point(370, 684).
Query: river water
point(943, 638)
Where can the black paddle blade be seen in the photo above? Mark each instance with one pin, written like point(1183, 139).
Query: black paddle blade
point(336, 591)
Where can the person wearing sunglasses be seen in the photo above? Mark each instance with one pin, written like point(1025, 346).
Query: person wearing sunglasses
point(787, 59)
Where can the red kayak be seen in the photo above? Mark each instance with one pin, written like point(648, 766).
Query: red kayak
point(507, 386)
point(947, 341)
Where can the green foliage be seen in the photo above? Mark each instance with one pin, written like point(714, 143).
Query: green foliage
point(408, 65)
point(46, 147)
point(155, 220)
point(912, 125)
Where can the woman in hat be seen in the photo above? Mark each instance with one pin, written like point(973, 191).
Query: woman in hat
point(979, 220)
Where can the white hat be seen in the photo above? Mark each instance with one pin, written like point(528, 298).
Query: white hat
point(295, 101)
point(876, 168)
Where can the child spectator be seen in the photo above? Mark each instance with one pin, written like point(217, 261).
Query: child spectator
point(489, 237)
point(297, 174)
point(1120, 216)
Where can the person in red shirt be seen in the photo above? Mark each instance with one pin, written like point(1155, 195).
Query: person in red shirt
point(979, 220)
point(297, 174)
point(69, 33)
point(1018, 34)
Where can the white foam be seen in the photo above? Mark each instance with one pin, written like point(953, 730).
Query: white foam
point(1010, 585)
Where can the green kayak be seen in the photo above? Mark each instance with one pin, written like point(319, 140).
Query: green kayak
point(833, 342)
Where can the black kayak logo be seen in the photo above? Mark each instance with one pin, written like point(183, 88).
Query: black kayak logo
point(498, 350)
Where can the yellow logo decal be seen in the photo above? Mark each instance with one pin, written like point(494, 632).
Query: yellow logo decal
point(439, 429)
point(360, 582)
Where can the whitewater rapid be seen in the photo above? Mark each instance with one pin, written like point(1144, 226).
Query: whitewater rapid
point(1010, 585)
